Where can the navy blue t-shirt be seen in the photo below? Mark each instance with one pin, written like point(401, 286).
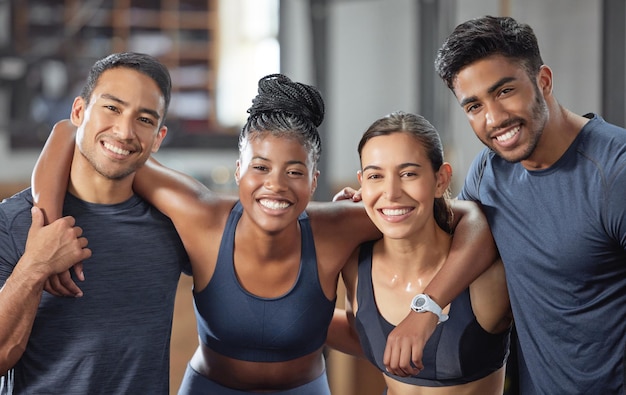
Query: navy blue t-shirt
point(561, 233)
point(116, 338)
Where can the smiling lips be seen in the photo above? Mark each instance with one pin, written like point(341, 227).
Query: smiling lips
point(115, 149)
point(503, 138)
point(274, 204)
point(391, 212)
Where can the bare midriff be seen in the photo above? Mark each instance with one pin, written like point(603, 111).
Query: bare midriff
point(257, 376)
point(492, 384)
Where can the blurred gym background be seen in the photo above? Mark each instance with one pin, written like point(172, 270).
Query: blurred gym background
point(368, 57)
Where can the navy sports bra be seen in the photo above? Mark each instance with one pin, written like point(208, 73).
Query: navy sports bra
point(459, 351)
point(240, 325)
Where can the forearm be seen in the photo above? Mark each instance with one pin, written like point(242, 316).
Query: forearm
point(51, 172)
point(342, 336)
point(473, 251)
point(169, 190)
point(19, 300)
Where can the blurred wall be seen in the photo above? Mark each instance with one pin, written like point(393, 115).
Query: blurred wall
point(372, 61)
point(371, 70)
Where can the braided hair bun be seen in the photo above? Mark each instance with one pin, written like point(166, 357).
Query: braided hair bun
point(286, 108)
point(277, 93)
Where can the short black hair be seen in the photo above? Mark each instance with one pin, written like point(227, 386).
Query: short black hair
point(482, 37)
point(140, 62)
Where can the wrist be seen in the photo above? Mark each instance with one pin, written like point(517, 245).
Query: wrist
point(31, 276)
point(423, 303)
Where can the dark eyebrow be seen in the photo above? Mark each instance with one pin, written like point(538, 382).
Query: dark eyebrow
point(371, 167)
point(290, 162)
point(491, 89)
point(122, 102)
point(400, 166)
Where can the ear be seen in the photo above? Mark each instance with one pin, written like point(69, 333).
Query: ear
point(237, 171)
point(159, 139)
point(77, 113)
point(444, 176)
point(544, 80)
point(316, 174)
point(359, 176)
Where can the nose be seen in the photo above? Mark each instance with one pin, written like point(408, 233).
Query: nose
point(495, 114)
point(392, 188)
point(123, 128)
point(275, 181)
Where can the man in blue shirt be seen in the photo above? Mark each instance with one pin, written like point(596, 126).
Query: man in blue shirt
point(552, 185)
point(114, 336)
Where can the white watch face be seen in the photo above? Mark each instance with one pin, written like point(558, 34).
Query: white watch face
point(420, 302)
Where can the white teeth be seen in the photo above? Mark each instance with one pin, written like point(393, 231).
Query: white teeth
point(116, 149)
point(395, 211)
point(274, 204)
point(507, 135)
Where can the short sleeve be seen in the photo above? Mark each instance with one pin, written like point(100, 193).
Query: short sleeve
point(474, 175)
point(614, 208)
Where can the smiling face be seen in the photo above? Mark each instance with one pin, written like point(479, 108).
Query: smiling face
point(118, 128)
point(399, 184)
point(505, 107)
point(276, 179)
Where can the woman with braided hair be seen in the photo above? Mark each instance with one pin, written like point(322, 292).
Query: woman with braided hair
point(266, 265)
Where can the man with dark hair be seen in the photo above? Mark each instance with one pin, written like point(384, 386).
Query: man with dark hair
point(114, 336)
point(552, 184)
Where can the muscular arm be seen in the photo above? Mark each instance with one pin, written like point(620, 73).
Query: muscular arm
point(52, 170)
point(185, 200)
point(49, 183)
point(342, 334)
point(197, 212)
point(49, 249)
point(175, 194)
point(472, 252)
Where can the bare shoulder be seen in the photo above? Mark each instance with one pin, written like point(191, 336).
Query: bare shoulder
point(349, 273)
point(344, 219)
point(343, 214)
point(215, 208)
point(203, 210)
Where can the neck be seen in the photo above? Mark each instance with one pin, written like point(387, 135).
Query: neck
point(422, 252)
point(406, 267)
point(87, 184)
point(559, 132)
point(266, 245)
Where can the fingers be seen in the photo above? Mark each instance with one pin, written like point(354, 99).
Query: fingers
point(62, 285)
point(50, 289)
point(37, 219)
point(54, 249)
point(345, 194)
point(66, 283)
point(402, 360)
point(348, 193)
point(416, 359)
point(78, 271)
point(405, 344)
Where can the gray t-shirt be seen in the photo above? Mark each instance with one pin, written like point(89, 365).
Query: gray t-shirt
point(116, 338)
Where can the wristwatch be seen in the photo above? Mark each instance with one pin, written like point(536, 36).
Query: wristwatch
point(422, 303)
